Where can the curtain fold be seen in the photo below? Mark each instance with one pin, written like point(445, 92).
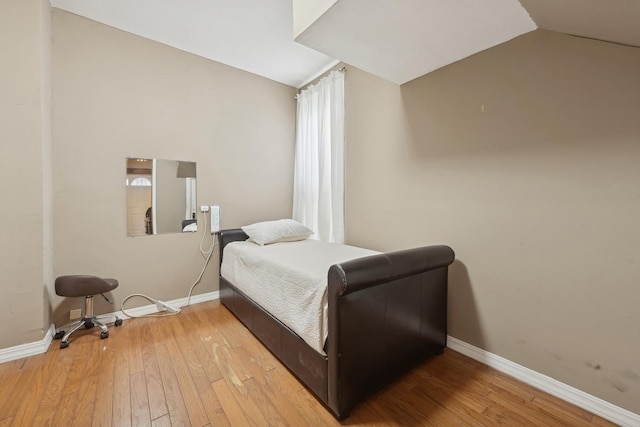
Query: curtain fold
point(318, 194)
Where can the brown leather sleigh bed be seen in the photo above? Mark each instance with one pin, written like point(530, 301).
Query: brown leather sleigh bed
point(386, 314)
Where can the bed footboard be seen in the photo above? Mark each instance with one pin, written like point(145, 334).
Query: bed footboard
point(387, 313)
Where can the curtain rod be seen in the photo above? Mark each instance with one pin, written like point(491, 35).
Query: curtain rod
point(342, 70)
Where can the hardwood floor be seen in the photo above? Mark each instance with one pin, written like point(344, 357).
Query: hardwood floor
point(203, 368)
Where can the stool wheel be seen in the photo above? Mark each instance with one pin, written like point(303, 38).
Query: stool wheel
point(104, 335)
point(58, 335)
point(64, 344)
point(118, 322)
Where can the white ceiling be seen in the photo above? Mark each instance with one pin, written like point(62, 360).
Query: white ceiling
point(395, 39)
point(615, 21)
point(253, 35)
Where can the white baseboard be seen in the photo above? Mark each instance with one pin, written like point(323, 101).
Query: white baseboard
point(563, 391)
point(30, 349)
point(39, 347)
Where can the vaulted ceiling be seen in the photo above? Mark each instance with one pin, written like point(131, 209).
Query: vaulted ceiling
point(398, 40)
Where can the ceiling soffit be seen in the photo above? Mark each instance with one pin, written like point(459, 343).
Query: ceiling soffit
point(402, 40)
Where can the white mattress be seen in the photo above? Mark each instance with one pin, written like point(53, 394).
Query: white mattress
point(289, 280)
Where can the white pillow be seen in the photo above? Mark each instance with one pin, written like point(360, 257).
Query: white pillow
point(282, 230)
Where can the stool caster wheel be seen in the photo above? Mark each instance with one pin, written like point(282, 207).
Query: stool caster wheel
point(118, 322)
point(58, 335)
point(88, 324)
point(64, 344)
point(104, 335)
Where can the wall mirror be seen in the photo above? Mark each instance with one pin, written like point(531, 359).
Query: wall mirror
point(161, 196)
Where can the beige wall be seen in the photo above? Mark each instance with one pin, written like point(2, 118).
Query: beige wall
point(25, 232)
point(524, 159)
point(117, 95)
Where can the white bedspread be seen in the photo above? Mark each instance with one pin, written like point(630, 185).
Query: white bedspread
point(289, 280)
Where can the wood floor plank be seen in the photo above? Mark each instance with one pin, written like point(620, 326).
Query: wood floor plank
point(210, 402)
point(454, 372)
point(190, 395)
point(48, 405)
point(46, 389)
point(103, 407)
point(207, 357)
point(121, 411)
point(505, 403)
point(397, 409)
point(86, 400)
point(134, 349)
point(7, 370)
point(466, 400)
point(155, 391)
point(206, 334)
point(437, 405)
point(140, 414)
point(249, 358)
point(233, 331)
point(175, 402)
point(86, 395)
point(232, 409)
point(562, 410)
point(403, 401)
point(10, 383)
point(465, 406)
point(163, 421)
point(503, 416)
point(256, 364)
point(213, 407)
point(497, 380)
point(158, 328)
point(81, 344)
point(202, 367)
point(22, 385)
point(263, 404)
point(279, 380)
point(285, 406)
point(237, 388)
point(233, 372)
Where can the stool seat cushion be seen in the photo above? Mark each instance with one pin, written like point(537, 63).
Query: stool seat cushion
point(82, 286)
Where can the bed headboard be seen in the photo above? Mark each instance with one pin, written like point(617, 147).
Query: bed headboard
point(230, 235)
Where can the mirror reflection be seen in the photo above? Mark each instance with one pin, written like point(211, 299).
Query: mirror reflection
point(161, 196)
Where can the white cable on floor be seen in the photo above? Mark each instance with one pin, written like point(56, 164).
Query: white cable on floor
point(162, 305)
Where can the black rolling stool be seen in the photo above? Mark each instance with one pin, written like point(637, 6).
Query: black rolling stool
point(87, 287)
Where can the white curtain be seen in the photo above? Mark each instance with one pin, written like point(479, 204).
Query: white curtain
point(318, 192)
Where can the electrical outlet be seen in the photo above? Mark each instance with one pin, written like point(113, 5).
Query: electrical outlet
point(204, 208)
point(215, 219)
point(75, 314)
point(163, 306)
